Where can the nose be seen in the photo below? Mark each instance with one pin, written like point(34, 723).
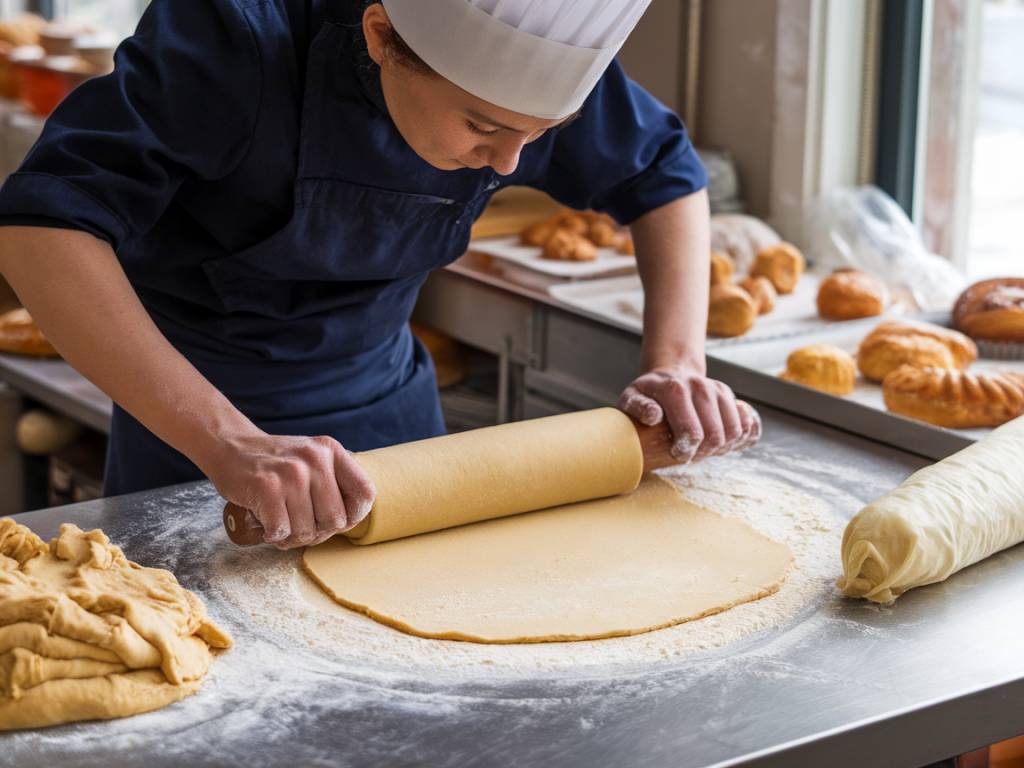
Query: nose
point(503, 155)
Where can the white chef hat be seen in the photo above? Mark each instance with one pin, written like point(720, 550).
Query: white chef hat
point(537, 57)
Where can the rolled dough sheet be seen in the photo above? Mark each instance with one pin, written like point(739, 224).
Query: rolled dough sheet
point(606, 568)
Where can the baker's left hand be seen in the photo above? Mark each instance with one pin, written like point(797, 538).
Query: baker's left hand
point(703, 414)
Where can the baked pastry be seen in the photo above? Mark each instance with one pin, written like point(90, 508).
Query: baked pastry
point(721, 268)
point(964, 350)
point(849, 294)
point(823, 367)
point(625, 244)
point(20, 334)
point(537, 233)
point(761, 291)
point(731, 311)
point(783, 264)
point(602, 232)
point(566, 245)
point(992, 310)
point(952, 398)
point(742, 237)
point(878, 356)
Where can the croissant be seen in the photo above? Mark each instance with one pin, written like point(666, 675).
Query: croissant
point(992, 310)
point(20, 334)
point(849, 294)
point(822, 366)
point(952, 398)
point(964, 350)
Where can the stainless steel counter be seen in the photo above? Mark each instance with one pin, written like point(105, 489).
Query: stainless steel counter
point(58, 385)
point(844, 685)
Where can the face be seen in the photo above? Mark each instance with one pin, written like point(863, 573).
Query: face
point(445, 125)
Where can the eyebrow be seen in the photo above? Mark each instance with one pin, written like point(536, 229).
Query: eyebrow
point(490, 121)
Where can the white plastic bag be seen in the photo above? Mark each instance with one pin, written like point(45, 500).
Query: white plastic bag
point(863, 227)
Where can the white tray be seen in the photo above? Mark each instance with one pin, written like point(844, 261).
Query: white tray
point(608, 261)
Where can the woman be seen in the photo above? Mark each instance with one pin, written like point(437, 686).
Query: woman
point(228, 233)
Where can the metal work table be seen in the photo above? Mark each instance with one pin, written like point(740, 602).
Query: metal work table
point(58, 385)
point(845, 685)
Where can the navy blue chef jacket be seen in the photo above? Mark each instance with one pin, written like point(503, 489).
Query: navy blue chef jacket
point(241, 162)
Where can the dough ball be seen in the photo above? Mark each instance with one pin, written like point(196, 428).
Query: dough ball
point(783, 264)
point(721, 268)
point(40, 433)
point(955, 399)
point(761, 291)
point(731, 311)
point(823, 367)
point(566, 245)
point(849, 294)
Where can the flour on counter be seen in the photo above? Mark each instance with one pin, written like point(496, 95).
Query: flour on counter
point(272, 591)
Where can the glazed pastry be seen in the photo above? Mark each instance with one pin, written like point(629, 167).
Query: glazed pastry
point(731, 311)
point(848, 294)
point(992, 310)
point(878, 356)
point(964, 350)
point(952, 398)
point(721, 268)
point(20, 334)
point(761, 291)
point(783, 264)
point(565, 245)
point(823, 367)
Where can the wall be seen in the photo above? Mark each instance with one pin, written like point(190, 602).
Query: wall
point(653, 53)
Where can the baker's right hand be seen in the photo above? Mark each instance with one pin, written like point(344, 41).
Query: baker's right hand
point(303, 490)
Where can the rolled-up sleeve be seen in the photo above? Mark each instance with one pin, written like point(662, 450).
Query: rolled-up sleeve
point(182, 102)
point(626, 154)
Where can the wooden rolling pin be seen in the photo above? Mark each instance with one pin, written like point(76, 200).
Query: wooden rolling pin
point(503, 470)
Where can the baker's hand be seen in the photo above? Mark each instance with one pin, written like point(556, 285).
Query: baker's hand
point(303, 490)
point(704, 415)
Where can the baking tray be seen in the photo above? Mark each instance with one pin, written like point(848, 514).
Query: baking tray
point(752, 370)
point(608, 261)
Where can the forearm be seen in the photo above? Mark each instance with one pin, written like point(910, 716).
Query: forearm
point(80, 297)
point(672, 246)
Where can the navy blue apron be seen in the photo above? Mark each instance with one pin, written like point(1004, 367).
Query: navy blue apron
point(353, 254)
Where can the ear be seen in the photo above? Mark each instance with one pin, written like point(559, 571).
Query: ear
point(376, 29)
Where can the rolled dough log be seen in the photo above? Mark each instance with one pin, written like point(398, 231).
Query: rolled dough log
point(941, 519)
point(498, 471)
point(85, 633)
point(616, 566)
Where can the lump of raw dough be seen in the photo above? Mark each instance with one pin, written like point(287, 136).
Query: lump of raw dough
point(87, 634)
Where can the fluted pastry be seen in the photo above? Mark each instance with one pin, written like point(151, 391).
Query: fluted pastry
point(992, 310)
point(721, 268)
point(964, 350)
point(783, 264)
point(761, 291)
point(822, 366)
point(878, 356)
point(20, 334)
point(953, 398)
point(731, 311)
point(566, 245)
point(849, 294)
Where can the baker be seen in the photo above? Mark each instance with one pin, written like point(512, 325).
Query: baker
point(228, 234)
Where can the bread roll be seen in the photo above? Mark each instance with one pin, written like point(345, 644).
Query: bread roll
point(537, 233)
point(823, 367)
point(952, 398)
point(566, 245)
point(783, 264)
point(742, 237)
point(992, 310)
point(878, 356)
point(762, 292)
point(731, 311)
point(849, 294)
point(625, 244)
point(721, 268)
point(964, 350)
point(20, 334)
